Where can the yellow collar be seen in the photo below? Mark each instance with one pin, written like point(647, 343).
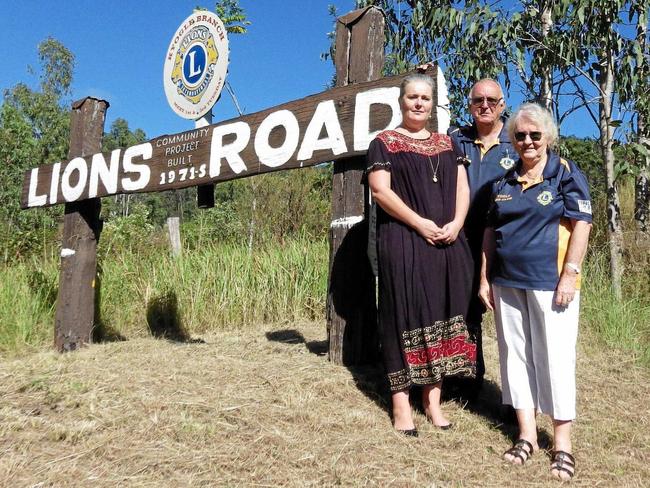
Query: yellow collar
point(526, 184)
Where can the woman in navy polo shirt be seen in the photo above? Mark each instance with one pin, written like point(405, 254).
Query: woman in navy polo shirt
point(536, 237)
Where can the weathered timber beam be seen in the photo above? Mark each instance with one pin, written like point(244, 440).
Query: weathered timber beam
point(333, 125)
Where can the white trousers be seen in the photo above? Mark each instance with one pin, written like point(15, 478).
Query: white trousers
point(537, 350)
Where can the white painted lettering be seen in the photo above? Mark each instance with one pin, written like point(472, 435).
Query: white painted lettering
point(383, 96)
point(54, 182)
point(71, 192)
point(231, 151)
point(193, 70)
point(34, 200)
point(277, 156)
point(325, 115)
point(99, 170)
point(145, 150)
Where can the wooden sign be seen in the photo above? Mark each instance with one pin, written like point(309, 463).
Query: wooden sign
point(335, 124)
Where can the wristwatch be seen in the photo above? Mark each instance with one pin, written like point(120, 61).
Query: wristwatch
point(573, 267)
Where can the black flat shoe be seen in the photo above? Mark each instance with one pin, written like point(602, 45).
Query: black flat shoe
point(409, 432)
point(441, 427)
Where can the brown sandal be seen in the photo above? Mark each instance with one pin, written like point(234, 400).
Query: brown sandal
point(562, 461)
point(522, 450)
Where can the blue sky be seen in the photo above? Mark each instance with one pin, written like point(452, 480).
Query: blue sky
point(120, 46)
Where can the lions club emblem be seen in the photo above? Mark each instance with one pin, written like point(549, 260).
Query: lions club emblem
point(507, 162)
point(196, 64)
point(545, 197)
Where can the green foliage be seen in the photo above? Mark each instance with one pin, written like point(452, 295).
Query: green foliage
point(218, 224)
point(43, 110)
point(448, 32)
point(34, 129)
point(586, 154)
point(57, 70)
point(232, 15)
point(622, 324)
point(583, 34)
point(220, 284)
point(132, 231)
point(27, 301)
point(216, 285)
point(120, 136)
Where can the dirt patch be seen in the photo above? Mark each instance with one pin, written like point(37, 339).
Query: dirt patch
point(264, 407)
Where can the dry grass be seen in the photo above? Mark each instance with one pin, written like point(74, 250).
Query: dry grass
point(264, 407)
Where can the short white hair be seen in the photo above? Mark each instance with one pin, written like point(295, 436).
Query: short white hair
point(537, 114)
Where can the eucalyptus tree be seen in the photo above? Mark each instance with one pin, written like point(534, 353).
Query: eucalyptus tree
point(589, 45)
point(470, 39)
point(641, 98)
point(232, 15)
point(575, 56)
point(34, 128)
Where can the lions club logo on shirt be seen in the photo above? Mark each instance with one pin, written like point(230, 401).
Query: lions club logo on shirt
point(507, 162)
point(545, 197)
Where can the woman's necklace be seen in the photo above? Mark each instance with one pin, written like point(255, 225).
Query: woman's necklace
point(434, 171)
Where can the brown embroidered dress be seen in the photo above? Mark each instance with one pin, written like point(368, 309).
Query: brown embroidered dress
point(424, 290)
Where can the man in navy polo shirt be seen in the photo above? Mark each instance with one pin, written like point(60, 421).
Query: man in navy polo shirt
point(488, 155)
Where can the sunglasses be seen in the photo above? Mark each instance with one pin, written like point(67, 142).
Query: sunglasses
point(535, 136)
point(478, 101)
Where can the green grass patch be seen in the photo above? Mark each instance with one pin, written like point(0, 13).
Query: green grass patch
point(145, 290)
point(27, 304)
point(623, 324)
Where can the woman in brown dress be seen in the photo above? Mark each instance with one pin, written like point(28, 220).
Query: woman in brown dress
point(425, 270)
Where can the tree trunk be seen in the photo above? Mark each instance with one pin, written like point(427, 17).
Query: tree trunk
point(614, 229)
point(642, 183)
point(546, 88)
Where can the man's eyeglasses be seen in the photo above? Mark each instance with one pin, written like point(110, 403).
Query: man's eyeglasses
point(535, 136)
point(491, 101)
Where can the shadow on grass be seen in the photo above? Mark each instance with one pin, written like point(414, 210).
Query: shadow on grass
point(488, 404)
point(102, 331)
point(293, 336)
point(164, 319)
point(369, 379)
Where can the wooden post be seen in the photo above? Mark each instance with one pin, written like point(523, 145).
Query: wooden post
point(174, 230)
point(75, 308)
point(351, 309)
point(204, 193)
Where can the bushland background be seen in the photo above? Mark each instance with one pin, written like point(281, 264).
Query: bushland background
point(256, 266)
